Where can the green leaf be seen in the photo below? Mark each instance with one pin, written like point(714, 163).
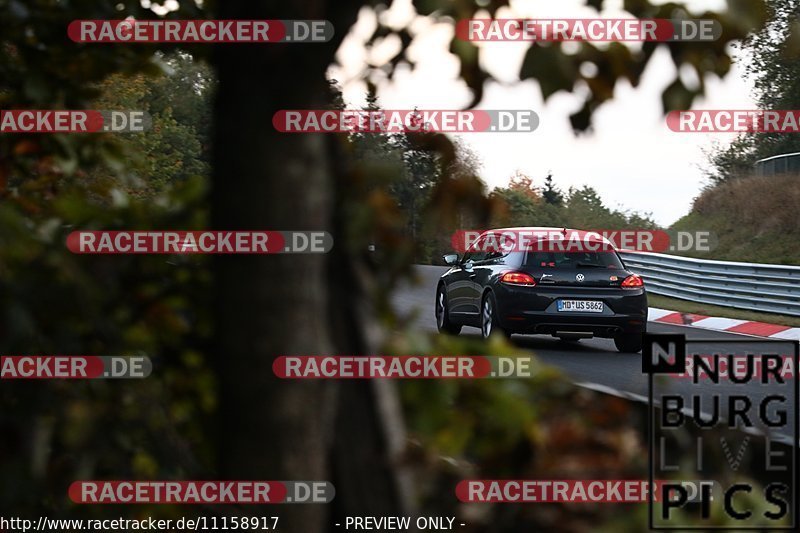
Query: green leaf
point(551, 67)
point(677, 96)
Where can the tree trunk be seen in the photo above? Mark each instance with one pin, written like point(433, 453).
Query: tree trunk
point(274, 305)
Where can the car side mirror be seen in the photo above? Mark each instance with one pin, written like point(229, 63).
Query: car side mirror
point(450, 259)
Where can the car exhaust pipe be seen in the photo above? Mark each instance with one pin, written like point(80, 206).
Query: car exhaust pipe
point(574, 334)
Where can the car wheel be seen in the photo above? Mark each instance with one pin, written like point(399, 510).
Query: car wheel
point(442, 317)
point(489, 322)
point(629, 343)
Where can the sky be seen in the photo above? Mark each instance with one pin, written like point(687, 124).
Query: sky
point(631, 158)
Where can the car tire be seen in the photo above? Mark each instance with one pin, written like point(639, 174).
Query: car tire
point(630, 343)
point(443, 322)
point(489, 323)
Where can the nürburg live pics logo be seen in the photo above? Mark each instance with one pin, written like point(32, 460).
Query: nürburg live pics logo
point(724, 413)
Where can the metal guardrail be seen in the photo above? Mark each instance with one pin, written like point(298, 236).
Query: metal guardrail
point(778, 164)
point(752, 286)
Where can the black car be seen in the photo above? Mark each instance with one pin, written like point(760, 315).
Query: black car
point(566, 294)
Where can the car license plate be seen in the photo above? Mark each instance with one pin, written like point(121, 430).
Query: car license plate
point(583, 306)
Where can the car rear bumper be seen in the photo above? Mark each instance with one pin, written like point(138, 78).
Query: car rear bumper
point(533, 310)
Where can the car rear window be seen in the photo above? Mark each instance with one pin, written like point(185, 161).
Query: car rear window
point(572, 260)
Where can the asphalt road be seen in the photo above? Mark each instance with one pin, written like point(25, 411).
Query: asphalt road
point(595, 363)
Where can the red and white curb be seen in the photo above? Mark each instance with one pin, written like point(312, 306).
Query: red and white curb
point(731, 325)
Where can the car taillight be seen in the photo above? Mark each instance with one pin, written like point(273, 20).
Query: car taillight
point(517, 278)
point(632, 282)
